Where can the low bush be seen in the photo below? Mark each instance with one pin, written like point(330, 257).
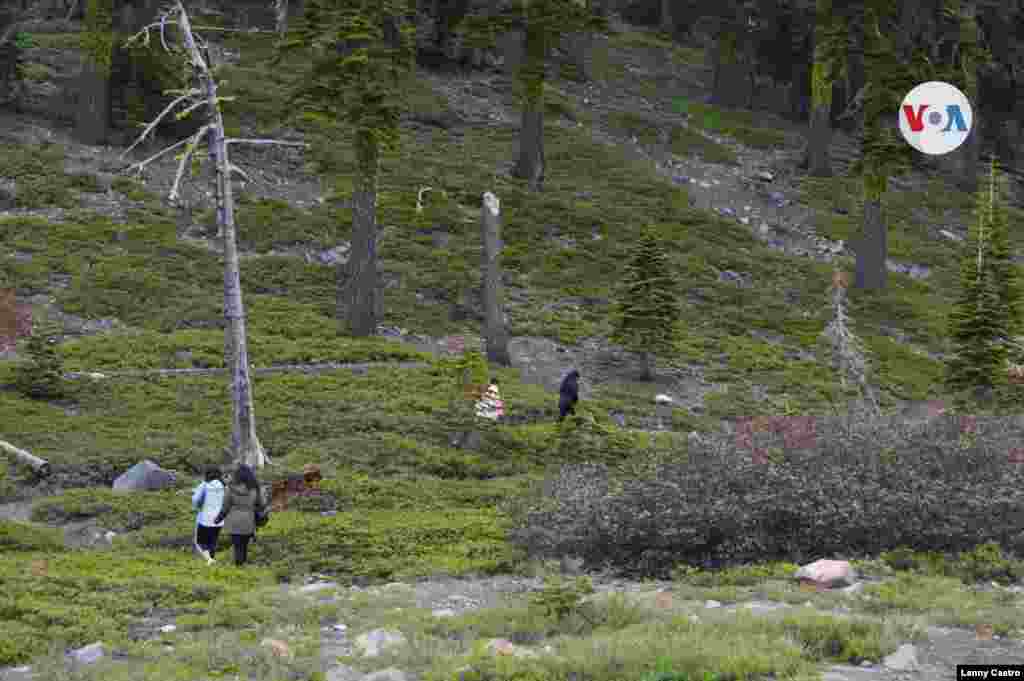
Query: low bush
point(851, 490)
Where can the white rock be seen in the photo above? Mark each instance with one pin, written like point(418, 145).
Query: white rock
point(904, 659)
point(168, 628)
point(745, 220)
point(663, 399)
point(444, 612)
point(390, 674)
point(950, 235)
point(317, 586)
point(373, 643)
point(712, 604)
point(89, 654)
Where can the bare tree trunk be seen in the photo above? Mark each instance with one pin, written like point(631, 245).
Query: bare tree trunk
point(40, 466)
point(357, 280)
point(495, 331)
point(818, 139)
point(281, 15)
point(530, 166)
point(871, 251)
point(92, 119)
point(667, 23)
point(245, 445)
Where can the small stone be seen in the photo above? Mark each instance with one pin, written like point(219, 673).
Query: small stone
point(501, 646)
point(712, 604)
point(663, 399)
point(373, 643)
point(904, 659)
point(317, 586)
point(950, 235)
point(745, 220)
point(89, 654)
point(278, 647)
point(444, 612)
point(390, 674)
point(168, 628)
point(765, 176)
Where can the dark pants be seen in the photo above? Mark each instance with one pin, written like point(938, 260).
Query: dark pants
point(206, 537)
point(240, 542)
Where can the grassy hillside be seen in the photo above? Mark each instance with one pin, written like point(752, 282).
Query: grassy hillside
point(408, 503)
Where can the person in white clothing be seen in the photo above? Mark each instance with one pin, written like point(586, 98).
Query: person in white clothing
point(490, 405)
point(207, 499)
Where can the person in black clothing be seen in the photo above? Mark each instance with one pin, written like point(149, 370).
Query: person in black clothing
point(569, 394)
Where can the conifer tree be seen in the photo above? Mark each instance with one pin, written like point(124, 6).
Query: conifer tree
point(648, 307)
point(42, 377)
point(987, 314)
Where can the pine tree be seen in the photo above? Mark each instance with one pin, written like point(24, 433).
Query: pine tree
point(42, 377)
point(648, 306)
point(987, 314)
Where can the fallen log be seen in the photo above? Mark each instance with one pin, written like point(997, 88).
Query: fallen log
point(40, 466)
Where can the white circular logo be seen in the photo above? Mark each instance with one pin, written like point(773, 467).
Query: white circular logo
point(935, 118)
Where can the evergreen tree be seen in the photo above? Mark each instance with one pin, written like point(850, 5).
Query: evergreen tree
point(42, 377)
point(987, 314)
point(360, 58)
point(648, 306)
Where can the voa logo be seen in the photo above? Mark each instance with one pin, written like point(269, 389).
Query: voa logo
point(935, 118)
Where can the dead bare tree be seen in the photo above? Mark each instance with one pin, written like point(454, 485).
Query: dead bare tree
point(495, 331)
point(245, 445)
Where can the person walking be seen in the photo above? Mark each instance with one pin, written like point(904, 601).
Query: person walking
point(208, 499)
point(243, 503)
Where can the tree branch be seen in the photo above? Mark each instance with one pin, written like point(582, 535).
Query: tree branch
point(149, 128)
point(141, 165)
point(192, 142)
point(282, 143)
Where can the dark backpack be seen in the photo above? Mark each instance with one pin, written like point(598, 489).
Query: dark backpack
point(262, 516)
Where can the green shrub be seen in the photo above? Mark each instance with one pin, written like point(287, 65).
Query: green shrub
point(16, 536)
point(934, 492)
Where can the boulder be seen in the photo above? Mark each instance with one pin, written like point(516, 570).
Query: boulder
point(827, 574)
point(145, 475)
point(373, 643)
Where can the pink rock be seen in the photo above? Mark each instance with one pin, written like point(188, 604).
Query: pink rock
point(828, 573)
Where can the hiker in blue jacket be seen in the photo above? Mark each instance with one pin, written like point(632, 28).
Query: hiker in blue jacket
point(208, 500)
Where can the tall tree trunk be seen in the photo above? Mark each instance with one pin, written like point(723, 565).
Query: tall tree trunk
point(667, 23)
point(357, 285)
point(872, 250)
point(245, 445)
point(281, 17)
point(530, 166)
point(964, 161)
point(495, 331)
point(819, 133)
point(92, 118)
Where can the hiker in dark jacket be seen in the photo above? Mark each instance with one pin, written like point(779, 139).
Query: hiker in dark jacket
point(242, 503)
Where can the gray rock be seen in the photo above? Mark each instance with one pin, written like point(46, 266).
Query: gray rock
point(904, 659)
point(765, 176)
point(334, 256)
point(949, 235)
point(444, 612)
point(90, 654)
point(390, 674)
point(373, 643)
point(712, 604)
point(145, 475)
point(342, 673)
point(317, 586)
